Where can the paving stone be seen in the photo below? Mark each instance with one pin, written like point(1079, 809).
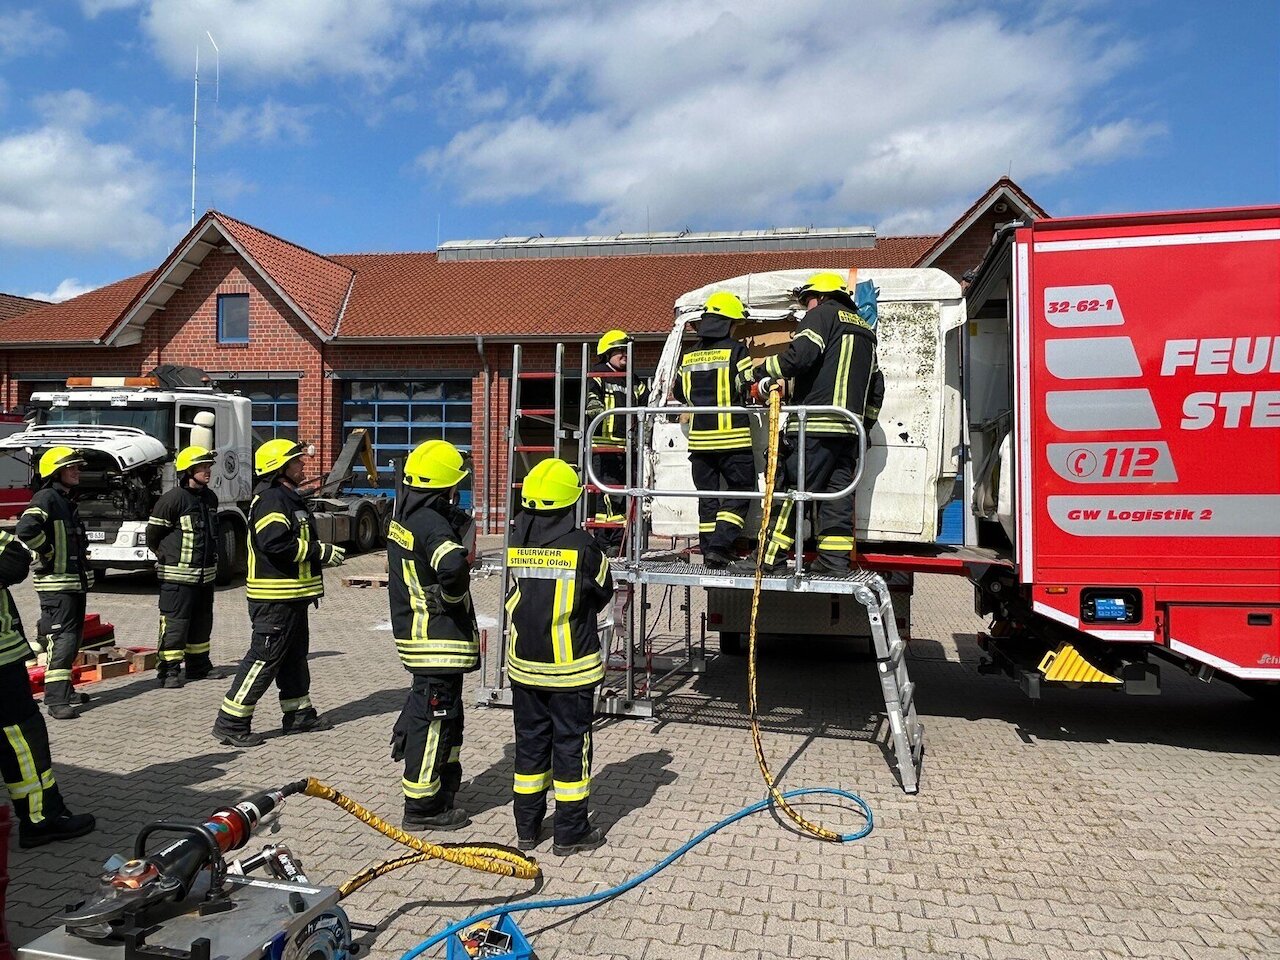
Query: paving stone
point(1083, 825)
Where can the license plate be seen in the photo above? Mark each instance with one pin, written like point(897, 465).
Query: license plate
point(97, 536)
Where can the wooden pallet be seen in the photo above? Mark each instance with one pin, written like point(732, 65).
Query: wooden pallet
point(365, 580)
point(92, 666)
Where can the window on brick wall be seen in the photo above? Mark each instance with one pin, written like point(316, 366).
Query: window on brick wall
point(275, 407)
point(400, 415)
point(233, 318)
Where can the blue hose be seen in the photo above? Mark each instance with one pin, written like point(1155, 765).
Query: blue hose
point(635, 881)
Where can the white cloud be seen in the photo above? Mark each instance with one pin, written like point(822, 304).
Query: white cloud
point(725, 114)
point(68, 288)
point(288, 39)
point(271, 123)
point(60, 188)
point(70, 108)
point(24, 32)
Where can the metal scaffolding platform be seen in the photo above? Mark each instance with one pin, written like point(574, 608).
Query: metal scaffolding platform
point(634, 670)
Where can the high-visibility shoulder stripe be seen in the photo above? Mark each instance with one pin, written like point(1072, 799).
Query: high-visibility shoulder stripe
point(266, 521)
point(443, 551)
point(813, 335)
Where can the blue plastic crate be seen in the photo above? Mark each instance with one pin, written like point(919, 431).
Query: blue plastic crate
point(951, 529)
point(520, 948)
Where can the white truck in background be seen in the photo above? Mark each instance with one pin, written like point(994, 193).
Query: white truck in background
point(130, 429)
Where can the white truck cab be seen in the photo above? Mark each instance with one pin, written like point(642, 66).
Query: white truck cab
point(130, 429)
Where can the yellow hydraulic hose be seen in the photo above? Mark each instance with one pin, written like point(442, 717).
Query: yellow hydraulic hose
point(484, 857)
point(770, 472)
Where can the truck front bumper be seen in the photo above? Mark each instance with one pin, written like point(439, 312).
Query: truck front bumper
point(128, 551)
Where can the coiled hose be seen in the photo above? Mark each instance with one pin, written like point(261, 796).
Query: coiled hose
point(487, 858)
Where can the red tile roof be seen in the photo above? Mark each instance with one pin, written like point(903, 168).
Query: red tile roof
point(411, 295)
point(415, 295)
point(82, 319)
point(11, 305)
point(317, 284)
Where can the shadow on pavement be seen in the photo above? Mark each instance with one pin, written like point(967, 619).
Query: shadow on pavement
point(814, 688)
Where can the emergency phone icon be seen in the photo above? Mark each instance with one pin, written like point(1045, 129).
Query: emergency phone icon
point(1082, 462)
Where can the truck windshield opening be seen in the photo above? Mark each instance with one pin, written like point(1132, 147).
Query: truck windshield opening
point(156, 421)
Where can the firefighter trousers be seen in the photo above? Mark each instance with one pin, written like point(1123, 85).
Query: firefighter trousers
point(428, 738)
point(61, 629)
point(720, 519)
point(277, 652)
point(24, 755)
point(611, 469)
point(186, 622)
point(829, 462)
point(553, 749)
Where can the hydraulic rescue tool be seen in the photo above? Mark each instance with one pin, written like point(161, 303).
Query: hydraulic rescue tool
point(178, 898)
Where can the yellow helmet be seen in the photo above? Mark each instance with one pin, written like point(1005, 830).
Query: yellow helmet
point(726, 304)
point(611, 341)
point(274, 454)
point(551, 485)
point(55, 458)
point(189, 458)
point(825, 283)
point(434, 465)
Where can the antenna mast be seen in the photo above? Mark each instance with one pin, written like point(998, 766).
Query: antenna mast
point(195, 110)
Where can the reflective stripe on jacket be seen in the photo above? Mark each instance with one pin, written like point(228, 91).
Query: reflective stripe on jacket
point(716, 374)
point(14, 559)
point(429, 589)
point(561, 582)
point(608, 393)
point(832, 359)
point(183, 534)
point(284, 551)
point(52, 531)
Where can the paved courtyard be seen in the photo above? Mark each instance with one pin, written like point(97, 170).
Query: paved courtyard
point(1082, 825)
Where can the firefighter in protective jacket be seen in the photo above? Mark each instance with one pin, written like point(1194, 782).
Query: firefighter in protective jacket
point(24, 746)
point(183, 534)
point(607, 390)
point(51, 529)
point(716, 372)
point(832, 360)
point(434, 625)
point(285, 560)
point(561, 582)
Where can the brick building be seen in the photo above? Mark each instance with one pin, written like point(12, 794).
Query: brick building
point(417, 345)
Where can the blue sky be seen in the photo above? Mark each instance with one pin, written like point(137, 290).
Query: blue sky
point(363, 125)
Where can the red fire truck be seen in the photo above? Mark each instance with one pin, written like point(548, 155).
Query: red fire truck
point(1130, 468)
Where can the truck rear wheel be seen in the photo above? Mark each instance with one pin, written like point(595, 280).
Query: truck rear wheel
point(231, 550)
point(367, 532)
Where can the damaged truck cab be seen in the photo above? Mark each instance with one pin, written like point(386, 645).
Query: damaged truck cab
point(129, 429)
